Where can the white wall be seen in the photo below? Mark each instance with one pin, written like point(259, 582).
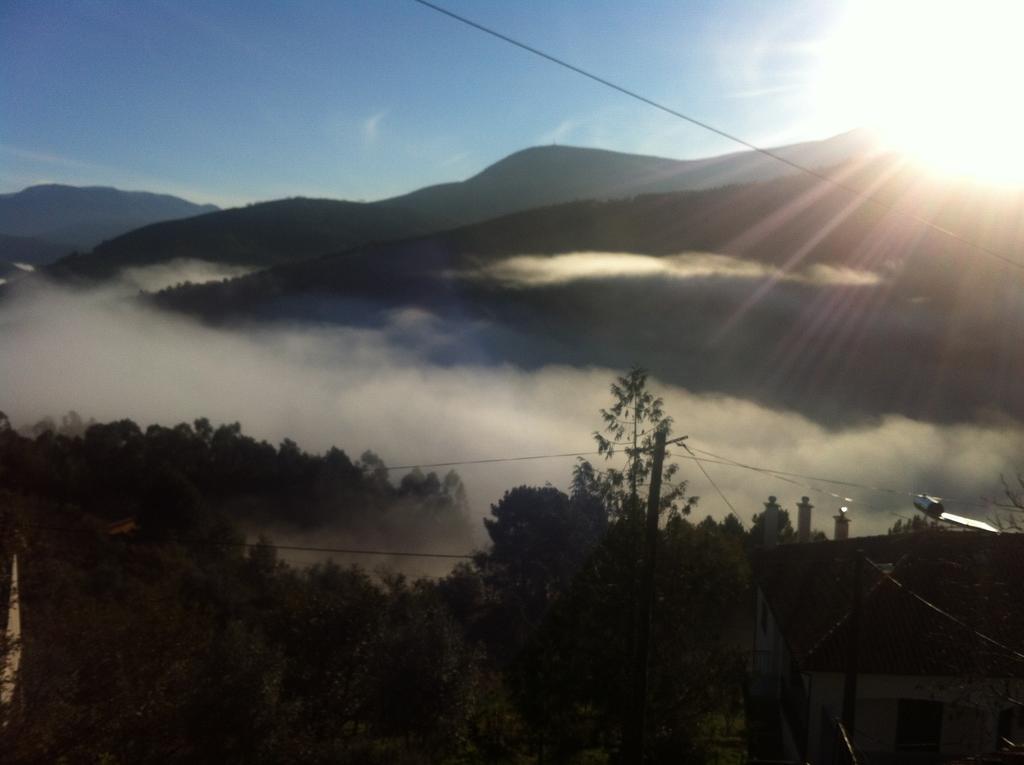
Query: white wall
point(970, 718)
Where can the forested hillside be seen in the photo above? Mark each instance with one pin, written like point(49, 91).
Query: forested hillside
point(169, 638)
point(194, 479)
point(257, 235)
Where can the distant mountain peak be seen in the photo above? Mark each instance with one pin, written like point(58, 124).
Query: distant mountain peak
point(538, 176)
point(83, 216)
point(44, 189)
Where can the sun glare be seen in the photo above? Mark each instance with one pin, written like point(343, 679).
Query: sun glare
point(940, 80)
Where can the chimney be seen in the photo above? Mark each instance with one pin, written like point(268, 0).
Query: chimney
point(771, 523)
point(842, 525)
point(803, 520)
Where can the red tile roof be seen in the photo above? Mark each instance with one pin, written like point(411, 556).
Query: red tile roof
point(956, 588)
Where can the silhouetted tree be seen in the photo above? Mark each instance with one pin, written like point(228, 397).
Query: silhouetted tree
point(572, 681)
point(539, 539)
point(912, 524)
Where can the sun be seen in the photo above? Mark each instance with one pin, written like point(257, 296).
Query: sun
point(940, 80)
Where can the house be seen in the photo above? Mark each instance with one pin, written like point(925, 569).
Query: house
point(10, 629)
point(930, 656)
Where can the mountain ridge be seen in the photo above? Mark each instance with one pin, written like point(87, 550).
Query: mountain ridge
point(531, 178)
point(258, 235)
point(84, 216)
point(539, 176)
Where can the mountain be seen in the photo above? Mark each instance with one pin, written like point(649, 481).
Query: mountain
point(84, 216)
point(288, 230)
point(257, 235)
point(31, 250)
point(21, 255)
point(791, 292)
point(548, 175)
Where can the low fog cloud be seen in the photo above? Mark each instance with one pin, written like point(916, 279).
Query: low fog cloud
point(536, 271)
point(157, 277)
point(107, 357)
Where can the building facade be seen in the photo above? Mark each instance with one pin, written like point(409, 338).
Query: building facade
point(933, 647)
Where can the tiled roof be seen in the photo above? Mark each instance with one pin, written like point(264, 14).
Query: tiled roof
point(955, 585)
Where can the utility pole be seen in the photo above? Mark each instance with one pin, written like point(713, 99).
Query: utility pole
point(633, 742)
point(634, 464)
point(853, 649)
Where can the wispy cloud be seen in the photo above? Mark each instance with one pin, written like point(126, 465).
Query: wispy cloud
point(560, 133)
point(371, 126)
point(455, 159)
point(51, 158)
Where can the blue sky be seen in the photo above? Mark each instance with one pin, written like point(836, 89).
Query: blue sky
point(361, 99)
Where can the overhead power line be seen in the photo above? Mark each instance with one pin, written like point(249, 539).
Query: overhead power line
point(711, 481)
point(270, 545)
point(782, 475)
point(941, 611)
point(866, 196)
point(711, 458)
point(707, 458)
point(489, 460)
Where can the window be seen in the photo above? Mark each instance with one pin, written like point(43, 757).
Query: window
point(918, 725)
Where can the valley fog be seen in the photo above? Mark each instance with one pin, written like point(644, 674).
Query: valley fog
point(101, 353)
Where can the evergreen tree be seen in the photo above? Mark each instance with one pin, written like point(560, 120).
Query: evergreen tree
point(630, 425)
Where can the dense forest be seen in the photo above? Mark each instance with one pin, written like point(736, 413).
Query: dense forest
point(170, 639)
point(261, 234)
